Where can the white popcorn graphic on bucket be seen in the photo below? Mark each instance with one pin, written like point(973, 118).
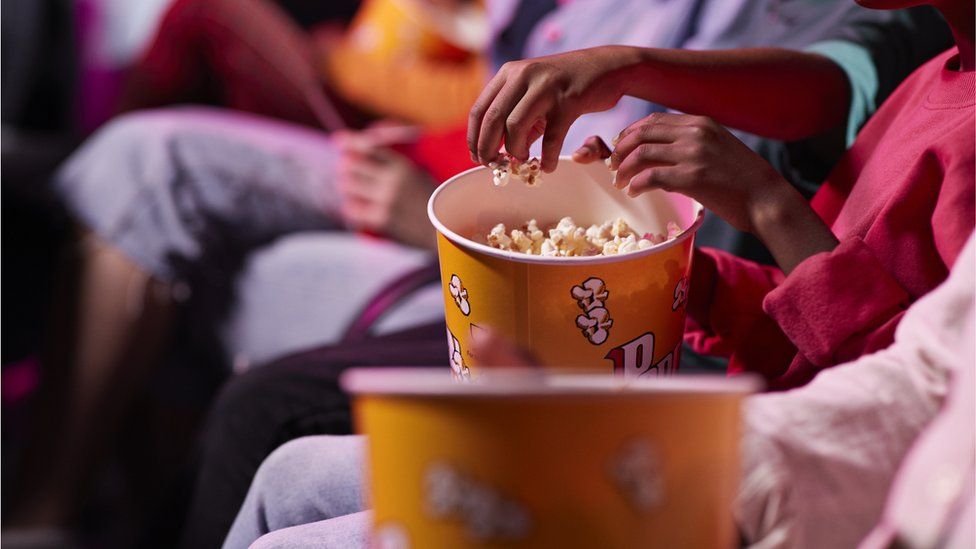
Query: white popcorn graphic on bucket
point(486, 514)
point(595, 322)
point(460, 295)
point(680, 293)
point(635, 471)
point(458, 366)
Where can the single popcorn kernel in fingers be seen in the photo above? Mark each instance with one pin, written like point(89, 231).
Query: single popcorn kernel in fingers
point(499, 177)
point(529, 172)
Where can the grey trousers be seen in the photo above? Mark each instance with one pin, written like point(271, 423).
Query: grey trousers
point(247, 205)
point(307, 493)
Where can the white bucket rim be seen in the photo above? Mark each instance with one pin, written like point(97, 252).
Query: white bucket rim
point(506, 382)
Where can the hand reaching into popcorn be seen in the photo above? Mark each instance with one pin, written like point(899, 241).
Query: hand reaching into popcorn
point(695, 156)
point(382, 191)
point(776, 93)
point(800, 95)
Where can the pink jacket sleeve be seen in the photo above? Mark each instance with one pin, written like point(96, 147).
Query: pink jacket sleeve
point(848, 279)
point(725, 300)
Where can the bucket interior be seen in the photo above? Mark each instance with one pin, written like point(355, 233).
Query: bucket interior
point(470, 205)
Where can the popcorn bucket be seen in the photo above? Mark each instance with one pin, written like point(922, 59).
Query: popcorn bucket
point(528, 458)
point(621, 313)
point(415, 28)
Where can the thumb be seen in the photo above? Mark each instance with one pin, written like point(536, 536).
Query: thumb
point(494, 350)
point(593, 149)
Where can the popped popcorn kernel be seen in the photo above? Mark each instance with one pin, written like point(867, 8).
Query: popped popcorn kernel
point(530, 171)
point(619, 228)
point(567, 239)
point(610, 248)
point(521, 242)
point(498, 239)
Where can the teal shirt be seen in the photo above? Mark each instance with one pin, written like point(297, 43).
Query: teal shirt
point(855, 61)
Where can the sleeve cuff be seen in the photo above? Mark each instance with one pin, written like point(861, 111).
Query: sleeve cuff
point(832, 297)
point(726, 299)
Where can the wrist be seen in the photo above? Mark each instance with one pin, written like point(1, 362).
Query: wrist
point(791, 230)
point(622, 65)
point(773, 205)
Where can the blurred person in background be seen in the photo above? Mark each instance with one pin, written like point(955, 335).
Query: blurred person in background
point(108, 337)
point(414, 61)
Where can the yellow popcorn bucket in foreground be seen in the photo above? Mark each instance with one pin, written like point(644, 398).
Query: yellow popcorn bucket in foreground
point(528, 458)
point(622, 314)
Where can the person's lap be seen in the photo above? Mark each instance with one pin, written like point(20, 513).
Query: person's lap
point(191, 194)
point(346, 532)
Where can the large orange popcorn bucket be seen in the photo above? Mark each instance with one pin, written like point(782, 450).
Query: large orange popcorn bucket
point(621, 313)
point(526, 458)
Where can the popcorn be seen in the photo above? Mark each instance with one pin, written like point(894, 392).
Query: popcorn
point(566, 239)
point(522, 242)
point(673, 231)
point(507, 165)
point(498, 239)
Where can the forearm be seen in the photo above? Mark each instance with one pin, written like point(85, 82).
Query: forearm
point(776, 93)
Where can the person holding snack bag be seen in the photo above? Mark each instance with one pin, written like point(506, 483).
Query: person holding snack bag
point(884, 229)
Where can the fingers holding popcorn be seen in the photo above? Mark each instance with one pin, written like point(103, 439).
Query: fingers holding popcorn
point(493, 125)
point(697, 157)
point(556, 90)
